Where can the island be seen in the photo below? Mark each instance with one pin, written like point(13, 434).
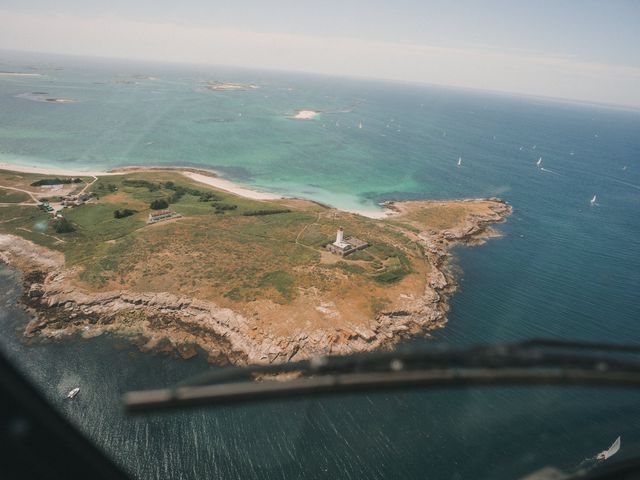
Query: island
point(219, 86)
point(305, 114)
point(19, 74)
point(174, 263)
point(45, 97)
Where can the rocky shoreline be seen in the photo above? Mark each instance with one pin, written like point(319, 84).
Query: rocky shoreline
point(179, 324)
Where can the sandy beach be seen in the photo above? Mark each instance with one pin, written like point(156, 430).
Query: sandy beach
point(19, 74)
point(208, 177)
point(305, 114)
point(229, 186)
point(52, 171)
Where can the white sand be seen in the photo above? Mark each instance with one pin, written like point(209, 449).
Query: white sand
point(375, 214)
point(306, 114)
point(215, 182)
point(231, 187)
point(52, 171)
point(18, 74)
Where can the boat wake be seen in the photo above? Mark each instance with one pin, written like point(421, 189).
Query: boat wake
point(591, 462)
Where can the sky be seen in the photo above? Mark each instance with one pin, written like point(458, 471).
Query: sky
point(579, 50)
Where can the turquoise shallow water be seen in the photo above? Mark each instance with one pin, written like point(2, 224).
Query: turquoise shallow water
point(562, 268)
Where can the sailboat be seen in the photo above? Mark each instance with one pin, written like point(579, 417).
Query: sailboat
point(73, 392)
point(459, 161)
point(539, 163)
point(611, 451)
point(360, 125)
point(593, 200)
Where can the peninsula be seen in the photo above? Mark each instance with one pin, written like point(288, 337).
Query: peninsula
point(167, 259)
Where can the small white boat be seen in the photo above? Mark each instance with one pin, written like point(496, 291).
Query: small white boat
point(594, 200)
point(539, 162)
point(459, 161)
point(611, 451)
point(72, 393)
point(360, 125)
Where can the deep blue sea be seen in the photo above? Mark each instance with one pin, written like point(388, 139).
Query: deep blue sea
point(563, 268)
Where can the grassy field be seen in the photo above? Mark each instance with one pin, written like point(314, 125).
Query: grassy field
point(11, 196)
point(221, 250)
point(24, 180)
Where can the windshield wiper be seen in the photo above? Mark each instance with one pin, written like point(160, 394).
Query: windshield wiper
point(532, 362)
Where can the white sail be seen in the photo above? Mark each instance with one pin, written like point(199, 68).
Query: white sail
point(611, 451)
point(593, 200)
point(360, 125)
point(539, 162)
point(459, 161)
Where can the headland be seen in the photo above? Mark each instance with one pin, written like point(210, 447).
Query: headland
point(175, 261)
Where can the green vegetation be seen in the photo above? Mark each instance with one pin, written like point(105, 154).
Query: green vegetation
point(159, 204)
point(107, 187)
point(224, 207)
point(351, 268)
point(360, 255)
point(258, 213)
point(391, 275)
point(62, 225)
point(125, 212)
point(55, 181)
point(225, 248)
point(282, 281)
point(152, 187)
point(11, 196)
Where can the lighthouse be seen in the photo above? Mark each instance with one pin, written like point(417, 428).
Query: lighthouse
point(344, 246)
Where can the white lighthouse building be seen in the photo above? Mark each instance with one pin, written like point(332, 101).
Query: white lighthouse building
point(340, 246)
point(344, 246)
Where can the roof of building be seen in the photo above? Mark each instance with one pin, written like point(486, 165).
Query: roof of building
point(160, 213)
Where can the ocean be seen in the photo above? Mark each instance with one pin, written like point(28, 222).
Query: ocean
point(562, 269)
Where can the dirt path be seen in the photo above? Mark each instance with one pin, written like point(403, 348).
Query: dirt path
point(59, 240)
point(31, 194)
point(303, 230)
point(95, 179)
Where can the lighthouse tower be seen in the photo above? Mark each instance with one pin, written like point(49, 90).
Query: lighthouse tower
point(339, 236)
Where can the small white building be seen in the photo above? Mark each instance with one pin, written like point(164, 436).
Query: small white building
point(155, 217)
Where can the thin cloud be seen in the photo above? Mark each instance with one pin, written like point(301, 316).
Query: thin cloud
point(509, 70)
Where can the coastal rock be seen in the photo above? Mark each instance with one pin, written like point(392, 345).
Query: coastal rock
point(182, 325)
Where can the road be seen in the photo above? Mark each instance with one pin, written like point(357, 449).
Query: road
point(31, 194)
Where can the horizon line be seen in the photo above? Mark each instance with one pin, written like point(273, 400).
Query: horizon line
point(508, 93)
